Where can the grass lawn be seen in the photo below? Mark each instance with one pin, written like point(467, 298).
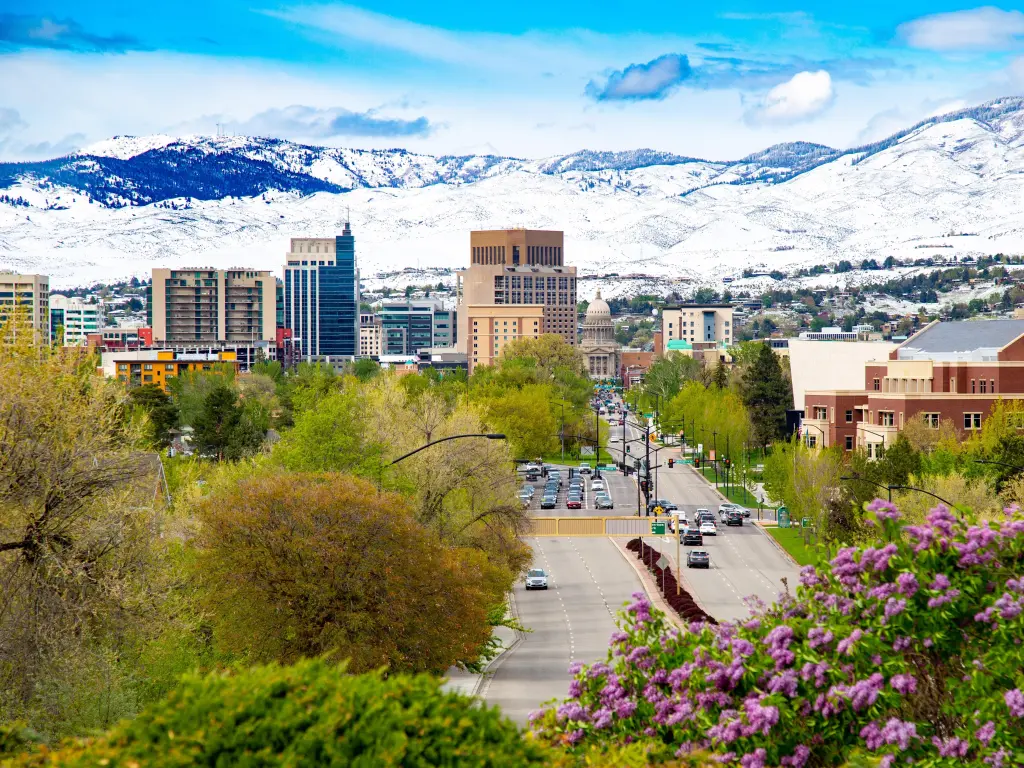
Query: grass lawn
point(792, 540)
point(737, 493)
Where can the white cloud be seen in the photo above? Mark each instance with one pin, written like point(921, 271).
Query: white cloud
point(985, 28)
point(802, 97)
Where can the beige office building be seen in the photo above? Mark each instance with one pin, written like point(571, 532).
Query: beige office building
point(518, 267)
point(493, 326)
point(696, 324)
point(371, 336)
point(214, 305)
point(32, 294)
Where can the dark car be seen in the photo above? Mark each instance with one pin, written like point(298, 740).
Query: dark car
point(548, 502)
point(698, 558)
point(692, 537)
point(665, 504)
point(734, 518)
point(532, 475)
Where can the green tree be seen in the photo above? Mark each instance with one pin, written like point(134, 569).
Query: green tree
point(160, 408)
point(526, 417)
point(365, 369)
point(223, 429)
point(899, 462)
point(333, 437)
point(767, 394)
point(721, 376)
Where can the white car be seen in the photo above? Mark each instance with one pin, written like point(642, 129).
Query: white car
point(597, 485)
point(614, 439)
point(708, 529)
point(536, 578)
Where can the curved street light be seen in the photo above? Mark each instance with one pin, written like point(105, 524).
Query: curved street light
point(489, 436)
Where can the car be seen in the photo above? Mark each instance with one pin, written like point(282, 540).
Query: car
point(532, 476)
point(548, 502)
point(531, 467)
point(597, 485)
point(708, 529)
point(536, 578)
point(585, 469)
point(665, 504)
point(725, 509)
point(527, 489)
point(574, 504)
point(734, 518)
point(698, 558)
point(604, 502)
point(692, 536)
point(614, 439)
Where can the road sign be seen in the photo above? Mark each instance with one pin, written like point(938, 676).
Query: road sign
point(805, 522)
point(658, 511)
point(700, 448)
point(783, 517)
point(711, 455)
point(586, 450)
point(663, 562)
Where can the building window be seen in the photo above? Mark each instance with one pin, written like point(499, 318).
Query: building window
point(820, 412)
point(972, 421)
point(876, 384)
point(931, 420)
point(849, 442)
point(885, 418)
point(992, 386)
point(972, 387)
point(984, 387)
point(849, 417)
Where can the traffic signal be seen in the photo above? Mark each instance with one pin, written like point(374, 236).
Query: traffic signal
point(671, 463)
point(696, 462)
point(728, 463)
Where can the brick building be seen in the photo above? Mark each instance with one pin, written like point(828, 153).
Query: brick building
point(947, 371)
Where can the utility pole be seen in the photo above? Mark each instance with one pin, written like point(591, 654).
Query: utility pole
point(714, 447)
point(728, 468)
point(597, 437)
point(647, 461)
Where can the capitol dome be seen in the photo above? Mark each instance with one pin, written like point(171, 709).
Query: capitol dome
point(598, 310)
point(598, 327)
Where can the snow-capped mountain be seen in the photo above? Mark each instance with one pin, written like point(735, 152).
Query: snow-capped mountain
point(952, 185)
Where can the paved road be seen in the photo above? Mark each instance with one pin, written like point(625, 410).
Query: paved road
point(743, 560)
point(588, 582)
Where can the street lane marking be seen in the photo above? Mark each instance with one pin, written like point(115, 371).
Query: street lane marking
point(565, 613)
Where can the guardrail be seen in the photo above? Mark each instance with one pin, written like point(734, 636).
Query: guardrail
point(597, 526)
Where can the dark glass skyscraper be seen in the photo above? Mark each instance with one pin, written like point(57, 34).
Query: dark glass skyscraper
point(321, 295)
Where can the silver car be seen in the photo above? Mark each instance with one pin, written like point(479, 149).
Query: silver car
point(604, 502)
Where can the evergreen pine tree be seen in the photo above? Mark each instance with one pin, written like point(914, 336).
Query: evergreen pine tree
point(721, 378)
point(767, 394)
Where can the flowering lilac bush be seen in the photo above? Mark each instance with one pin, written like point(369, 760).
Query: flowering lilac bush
point(909, 651)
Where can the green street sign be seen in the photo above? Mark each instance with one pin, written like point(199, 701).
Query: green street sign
point(658, 528)
point(805, 522)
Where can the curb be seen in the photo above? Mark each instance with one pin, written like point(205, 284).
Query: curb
point(484, 678)
point(647, 582)
point(779, 547)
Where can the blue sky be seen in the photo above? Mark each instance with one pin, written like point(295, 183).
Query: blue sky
point(527, 79)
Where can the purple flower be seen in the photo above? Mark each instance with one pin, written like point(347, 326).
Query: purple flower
point(928, 642)
point(986, 732)
point(951, 747)
point(1015, 701)
point(619, 637)
point(904, 684)
point(894, 607)
point(940, 582)
point(809, 576)
point(817, 636)
point(1009, 607)
point(755, 759)
point(576, 736)
point(902, 643)
point(625, 708)
point(572, 710)
point(575, 667)
point(785, 683)
point(575, 689)
point(864, 693)
point(799, 758)
point(996, 760)
point(638, 653)
point(907, 583)
point(535, 715)
point(846, 644)
point(884, 510)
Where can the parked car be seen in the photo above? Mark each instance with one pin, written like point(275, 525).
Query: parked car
point(698, 558)
point(536, 578)
point(734, 518)
point(604, 502)
point(692, 536)
point(585, 469)
point(708, 529)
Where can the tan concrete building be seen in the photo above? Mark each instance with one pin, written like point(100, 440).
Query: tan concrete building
point(371, 335)
point(492, 327)
point(518, 267)
point(32, 294)
point(696, 323)
point(203, 305)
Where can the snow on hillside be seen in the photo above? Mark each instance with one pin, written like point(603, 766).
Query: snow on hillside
point(950, 186)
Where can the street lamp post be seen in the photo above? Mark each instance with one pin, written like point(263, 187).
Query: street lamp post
point(380, 476)
point(876, 434)
point(714, 447)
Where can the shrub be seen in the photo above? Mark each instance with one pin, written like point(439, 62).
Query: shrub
point(310, 714)
point(910, 650)
point(682, 603)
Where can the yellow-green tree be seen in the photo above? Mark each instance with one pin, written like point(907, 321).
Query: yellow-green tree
point(299, 565)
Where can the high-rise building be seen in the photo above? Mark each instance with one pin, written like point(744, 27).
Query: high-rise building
point(210, 306)
point(371, 335)
point(32, 294)
point(416, 324)
point(321, 295)
point(518, 267)
point(73, 319)
point(696, 324)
